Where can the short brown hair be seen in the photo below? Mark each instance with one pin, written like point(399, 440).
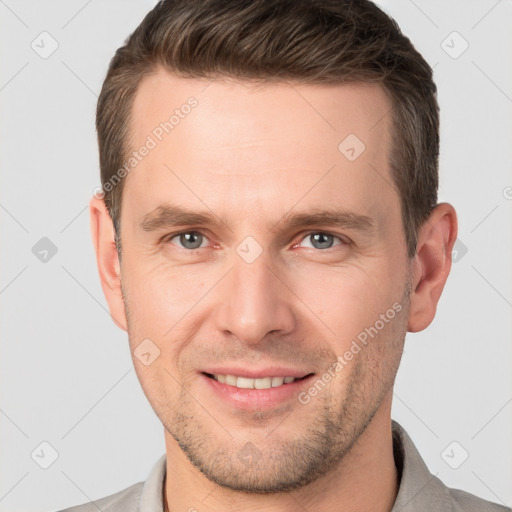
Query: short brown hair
point(306, 41)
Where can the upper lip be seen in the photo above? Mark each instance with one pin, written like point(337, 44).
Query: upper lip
point(271, 371)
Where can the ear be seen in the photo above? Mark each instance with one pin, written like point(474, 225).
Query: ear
point(431, 265)
point(103, 237)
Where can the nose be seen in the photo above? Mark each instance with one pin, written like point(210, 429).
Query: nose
point(253, 301)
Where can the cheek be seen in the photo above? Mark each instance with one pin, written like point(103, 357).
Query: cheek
point(349, 299)
point(161, 384)
point(160, 295)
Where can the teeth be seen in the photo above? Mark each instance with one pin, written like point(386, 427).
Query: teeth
point(277, 381)
point(246, 383)
point(231, 380)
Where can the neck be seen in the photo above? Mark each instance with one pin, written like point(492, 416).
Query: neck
point(366, 479)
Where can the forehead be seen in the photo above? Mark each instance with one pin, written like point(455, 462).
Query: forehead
point(235, 137)
point(233, 111)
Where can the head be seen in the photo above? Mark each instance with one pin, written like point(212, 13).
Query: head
point(269, 172)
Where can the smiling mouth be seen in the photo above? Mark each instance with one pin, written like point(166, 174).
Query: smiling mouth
point(248, 383)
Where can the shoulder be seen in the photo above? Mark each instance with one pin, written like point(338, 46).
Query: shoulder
point(421, 491)
point(126, 500)
point(141, 496)
point(467, 502)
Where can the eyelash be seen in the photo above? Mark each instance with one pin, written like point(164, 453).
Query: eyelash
point(343, 240)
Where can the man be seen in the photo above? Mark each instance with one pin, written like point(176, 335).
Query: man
point(267, 232)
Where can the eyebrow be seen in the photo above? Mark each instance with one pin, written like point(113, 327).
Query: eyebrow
point(168, 216)
point(331, 217)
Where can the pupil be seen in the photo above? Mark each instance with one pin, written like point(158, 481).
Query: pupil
point(191, 240)
point(322, 240)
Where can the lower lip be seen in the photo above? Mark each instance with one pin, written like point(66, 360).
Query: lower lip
point(251, 399)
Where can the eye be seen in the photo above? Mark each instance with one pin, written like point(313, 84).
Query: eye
point(320, 240)
point(189, 239)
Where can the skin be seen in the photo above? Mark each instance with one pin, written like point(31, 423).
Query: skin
point(252, 155)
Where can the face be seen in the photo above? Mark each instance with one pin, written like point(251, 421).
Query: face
point(255, 246)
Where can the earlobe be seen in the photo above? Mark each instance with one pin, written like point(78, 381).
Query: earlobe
point(103, 238)
point(431, 265)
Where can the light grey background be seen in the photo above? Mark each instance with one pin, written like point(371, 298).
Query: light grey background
point(66, 374)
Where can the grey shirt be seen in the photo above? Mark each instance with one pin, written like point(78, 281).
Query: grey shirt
point(419, 491)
